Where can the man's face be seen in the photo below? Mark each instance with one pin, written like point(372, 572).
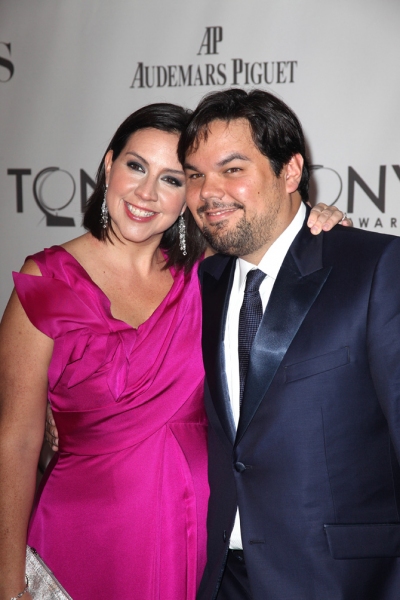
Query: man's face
point(237, 201)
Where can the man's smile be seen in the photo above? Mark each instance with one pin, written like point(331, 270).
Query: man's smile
point(215, 212)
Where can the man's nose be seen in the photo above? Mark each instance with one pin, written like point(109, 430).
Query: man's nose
point(211, 188)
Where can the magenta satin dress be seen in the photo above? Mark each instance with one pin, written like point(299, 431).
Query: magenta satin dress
point(121, 512)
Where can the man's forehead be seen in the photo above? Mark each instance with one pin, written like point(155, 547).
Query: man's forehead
point(227, 127)
point(236, 131)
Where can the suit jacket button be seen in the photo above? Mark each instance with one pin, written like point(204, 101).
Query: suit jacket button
point(240, 467)
point(224, 535)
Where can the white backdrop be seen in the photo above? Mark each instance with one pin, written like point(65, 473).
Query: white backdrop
point(71, 71)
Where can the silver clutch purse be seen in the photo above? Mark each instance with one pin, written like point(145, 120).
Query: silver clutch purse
point(42, 583)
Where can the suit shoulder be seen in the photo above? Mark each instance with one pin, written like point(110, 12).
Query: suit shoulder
point(214, 265)
point(359, 241)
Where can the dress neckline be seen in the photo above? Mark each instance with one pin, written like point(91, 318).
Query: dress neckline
point(106, 302)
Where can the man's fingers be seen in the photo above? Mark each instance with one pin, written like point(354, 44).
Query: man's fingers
point(49, 415)
point(51, 436)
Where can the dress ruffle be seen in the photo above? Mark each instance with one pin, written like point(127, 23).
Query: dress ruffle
point(86, 341)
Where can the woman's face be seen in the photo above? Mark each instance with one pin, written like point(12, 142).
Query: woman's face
point(146, 186)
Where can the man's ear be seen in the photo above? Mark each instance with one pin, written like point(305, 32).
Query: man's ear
point(108, 164)
point(293, 172)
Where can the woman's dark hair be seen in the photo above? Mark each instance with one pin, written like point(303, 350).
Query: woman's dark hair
point(165, 117)
point(276, 130)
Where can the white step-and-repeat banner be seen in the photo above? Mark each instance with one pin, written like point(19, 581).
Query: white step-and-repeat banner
point(71, 71)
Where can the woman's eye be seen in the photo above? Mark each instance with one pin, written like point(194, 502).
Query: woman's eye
point(173, 181)
point(135, 166)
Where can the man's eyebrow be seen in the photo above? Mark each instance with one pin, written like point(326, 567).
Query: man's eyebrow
point(221, 163)
point(189, 166)
point(230, 157)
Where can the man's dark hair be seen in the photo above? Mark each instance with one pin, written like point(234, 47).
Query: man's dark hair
point(276, 130)
point(164, 117)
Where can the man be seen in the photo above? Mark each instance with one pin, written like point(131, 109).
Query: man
point(304, 421)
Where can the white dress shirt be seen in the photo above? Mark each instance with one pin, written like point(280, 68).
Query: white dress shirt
point(270, 264)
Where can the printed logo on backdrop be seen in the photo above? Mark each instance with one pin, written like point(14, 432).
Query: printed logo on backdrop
point(6, 65)
point(237, 71)
point(53, 190)
point(358, 191)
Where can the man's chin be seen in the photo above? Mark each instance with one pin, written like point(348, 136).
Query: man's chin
point(222, 246)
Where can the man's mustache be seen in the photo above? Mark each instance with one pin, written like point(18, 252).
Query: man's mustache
point(215, 205)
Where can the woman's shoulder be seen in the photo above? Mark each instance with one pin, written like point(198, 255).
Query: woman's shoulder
point(56, 292)
point(80, 245)
point(31, 266)
point(41, 262)
point(51, 262)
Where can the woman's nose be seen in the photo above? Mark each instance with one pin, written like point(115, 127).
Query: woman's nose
point(146, 189)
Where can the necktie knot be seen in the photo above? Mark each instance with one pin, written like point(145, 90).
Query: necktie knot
point(253, 281)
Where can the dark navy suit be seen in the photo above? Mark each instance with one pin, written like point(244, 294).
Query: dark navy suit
point(314, 465)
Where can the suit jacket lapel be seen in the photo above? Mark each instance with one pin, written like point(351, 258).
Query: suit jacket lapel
point(217, 279)
point(298, 284)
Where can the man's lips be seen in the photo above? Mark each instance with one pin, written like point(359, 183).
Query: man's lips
point(215, 214)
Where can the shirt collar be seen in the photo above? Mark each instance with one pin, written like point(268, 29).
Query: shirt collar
point(272, 260)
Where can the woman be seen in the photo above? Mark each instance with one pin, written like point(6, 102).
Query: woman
point(108, 327)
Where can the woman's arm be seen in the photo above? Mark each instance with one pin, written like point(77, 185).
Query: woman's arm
point(25, 354)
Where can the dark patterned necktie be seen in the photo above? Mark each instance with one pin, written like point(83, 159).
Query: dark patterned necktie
point(249, 320)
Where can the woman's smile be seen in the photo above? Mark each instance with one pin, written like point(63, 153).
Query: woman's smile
point(139, 214)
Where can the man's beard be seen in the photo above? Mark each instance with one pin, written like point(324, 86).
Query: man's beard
point(244, 239)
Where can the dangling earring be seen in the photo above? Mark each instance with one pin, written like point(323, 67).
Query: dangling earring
point(104, 210)
point(182, 235)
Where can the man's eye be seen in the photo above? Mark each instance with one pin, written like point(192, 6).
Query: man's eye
point(233, 170)
point(194, 176)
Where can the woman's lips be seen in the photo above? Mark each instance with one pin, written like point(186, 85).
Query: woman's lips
point(139, 214)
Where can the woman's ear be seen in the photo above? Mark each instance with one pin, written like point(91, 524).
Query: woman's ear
point(108, 160)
